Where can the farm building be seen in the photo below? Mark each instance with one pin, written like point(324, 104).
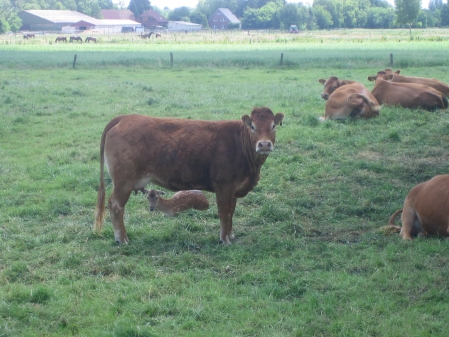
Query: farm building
point(223, 19)
point(36, 20)
point(117, 14)
point(105, 26)
point(151, 19)
point(183, 26)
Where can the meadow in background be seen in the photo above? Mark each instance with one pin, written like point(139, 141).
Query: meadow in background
point(308, 259)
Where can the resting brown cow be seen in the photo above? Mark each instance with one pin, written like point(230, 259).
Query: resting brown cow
point(351, 100)
point(181, 201)
point(332, 84)
point(224, 157)
point(426, 210)
point(431, 82)
point(408, 95)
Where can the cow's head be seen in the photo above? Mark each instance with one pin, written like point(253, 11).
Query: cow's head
point(332, 84)
point(153, 198)
point(262, 128)
point(383, 75)
point(390, 71)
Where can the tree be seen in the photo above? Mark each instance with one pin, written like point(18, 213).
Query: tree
point(445, 15)
point(198, 17)
point(323, 17)
point(139, 6)
point(14, 22)
point(407, 11)
point(4, 26)
point(179, 13)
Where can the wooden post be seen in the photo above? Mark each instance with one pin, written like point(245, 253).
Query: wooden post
point(391, 60)
point(171, 59)
point(282, 58)
point(74, 61)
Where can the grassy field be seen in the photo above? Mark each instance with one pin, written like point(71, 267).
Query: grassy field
point(309, 257)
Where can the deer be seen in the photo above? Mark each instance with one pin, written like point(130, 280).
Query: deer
point(180, 201)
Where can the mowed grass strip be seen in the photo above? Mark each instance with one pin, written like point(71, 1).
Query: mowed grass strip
point(308, 259)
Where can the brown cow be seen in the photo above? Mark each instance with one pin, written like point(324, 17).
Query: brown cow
point(426, 210)
point(332, 84)
point(224, 157)
point(351, 100)
point(181, 201)
point(431, 82)
point(408, 95)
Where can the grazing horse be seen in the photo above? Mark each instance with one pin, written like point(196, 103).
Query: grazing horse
point(31, 35)
point(61, 39)
point(25, 36)
point(76, 38)
point(146, 36)
point(158, 35)
point(90, 38)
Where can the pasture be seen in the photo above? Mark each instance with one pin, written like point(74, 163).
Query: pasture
point(309, 258)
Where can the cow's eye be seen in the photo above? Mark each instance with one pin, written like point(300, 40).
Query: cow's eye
point(252, 127)
point(274, 127)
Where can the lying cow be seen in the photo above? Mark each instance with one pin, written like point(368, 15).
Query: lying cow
point(181, 201)
point(407, 95)
point(426, 210)
point(332, 84)
point(351, 100)
point(224, 157)
point(431, 82)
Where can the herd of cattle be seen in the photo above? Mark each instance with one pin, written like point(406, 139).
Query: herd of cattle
point(225, 157)
point(347, 98)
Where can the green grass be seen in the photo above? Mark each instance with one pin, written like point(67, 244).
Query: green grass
point(308, 259)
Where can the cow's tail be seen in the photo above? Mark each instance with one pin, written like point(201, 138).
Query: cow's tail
point(391, 227)
point(353, 101)
point(100, 209)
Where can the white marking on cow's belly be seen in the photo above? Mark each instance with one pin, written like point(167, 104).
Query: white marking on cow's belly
point(142, 182)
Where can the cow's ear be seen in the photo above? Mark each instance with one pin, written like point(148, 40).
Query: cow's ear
point(372, 78)
point(278, 118)
point(397, 71)
point(145, 191)
point(246, 120)
point(322, 81)
point(161, 192)
point(343, 83)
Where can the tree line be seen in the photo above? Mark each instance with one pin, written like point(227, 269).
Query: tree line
point(260, 14)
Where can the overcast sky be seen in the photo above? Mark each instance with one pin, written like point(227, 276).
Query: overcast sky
point(192, 3)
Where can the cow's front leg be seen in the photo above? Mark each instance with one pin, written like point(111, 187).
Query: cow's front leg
point(226, 205)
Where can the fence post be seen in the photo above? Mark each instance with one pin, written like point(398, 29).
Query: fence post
point(171, 59)
point(74, 61)
point(391, 60)
point(282, 58)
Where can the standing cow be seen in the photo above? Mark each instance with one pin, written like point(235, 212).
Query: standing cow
point(223, 157)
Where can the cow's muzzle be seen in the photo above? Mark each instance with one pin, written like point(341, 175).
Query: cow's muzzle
point(151, 209)
point(325, 96)
point(264, 147)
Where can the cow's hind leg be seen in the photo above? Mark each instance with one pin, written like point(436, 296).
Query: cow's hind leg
point(117, 202)
point(411, 225)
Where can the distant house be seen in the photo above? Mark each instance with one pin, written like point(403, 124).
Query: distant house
point(117, 14)
point(151, 20)
point(222, 18)
point(36, 20)
point(183, 26)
